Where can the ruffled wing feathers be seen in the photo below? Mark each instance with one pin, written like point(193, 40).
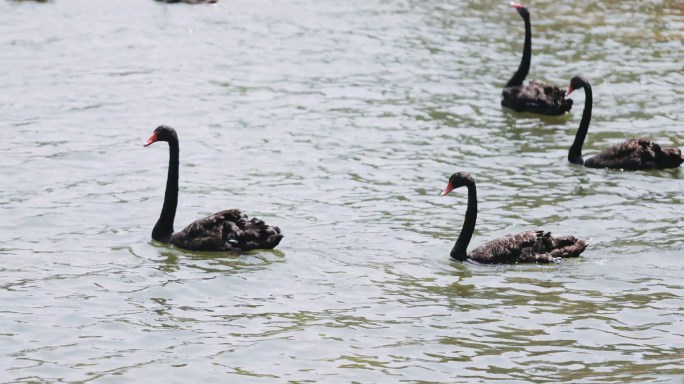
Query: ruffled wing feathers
point(225, 231)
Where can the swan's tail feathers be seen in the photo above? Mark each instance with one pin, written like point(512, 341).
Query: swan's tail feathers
point(253, 234)
point(568, 246)
point(273, 239)
point(239, 232)
point(669, 158)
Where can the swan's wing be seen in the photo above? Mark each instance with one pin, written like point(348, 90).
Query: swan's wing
point(637, 154)
point(534, 246)
point(536, 97)
point(225, 231)
point(207, 234)
point(504, 249)
point(628, 155)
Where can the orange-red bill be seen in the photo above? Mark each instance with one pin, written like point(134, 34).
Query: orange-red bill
point(569, 90)
point(448, 189)
point(515, 5)
point(152, 139)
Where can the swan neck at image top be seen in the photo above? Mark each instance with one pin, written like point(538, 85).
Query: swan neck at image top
point(164, 228)
point(460, 250)
point(524, 68)
point(575, 154)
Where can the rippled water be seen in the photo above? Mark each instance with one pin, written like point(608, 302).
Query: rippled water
point(339, 121)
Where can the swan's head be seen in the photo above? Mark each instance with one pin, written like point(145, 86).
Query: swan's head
point(162, 133)
point(521, 10)
point(577, 82)
point(457, 180)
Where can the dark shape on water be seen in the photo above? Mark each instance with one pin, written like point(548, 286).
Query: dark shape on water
point(222, 231)
point(632, 155)
point(538, 96)
point(533, 246)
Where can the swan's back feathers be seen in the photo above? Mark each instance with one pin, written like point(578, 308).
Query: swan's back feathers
point(636, 154)
point(535, 246)
point(536, 97)
point(226, 231)
point(503, 249)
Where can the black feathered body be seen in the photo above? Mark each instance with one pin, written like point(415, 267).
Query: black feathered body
point(636, 154)
point(536, 97)
point(533, 246)
point(225, 231)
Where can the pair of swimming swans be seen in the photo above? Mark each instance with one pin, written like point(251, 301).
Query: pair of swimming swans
point(230, 230)
point(542, 98)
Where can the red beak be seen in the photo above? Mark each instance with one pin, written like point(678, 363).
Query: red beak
point(448, 189)
point(569, 90)
point(515, 5)
point(152, 139)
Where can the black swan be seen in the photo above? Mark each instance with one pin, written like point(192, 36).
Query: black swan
point(535, 246)
point(538, 96)
point(632, 155)
point(222, 231)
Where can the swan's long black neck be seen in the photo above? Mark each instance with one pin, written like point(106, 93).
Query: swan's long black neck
point(164, 228)
point(575, 154)
point(524, 68)
point(459, 252)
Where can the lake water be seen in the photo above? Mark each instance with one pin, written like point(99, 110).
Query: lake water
point(340, 122)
